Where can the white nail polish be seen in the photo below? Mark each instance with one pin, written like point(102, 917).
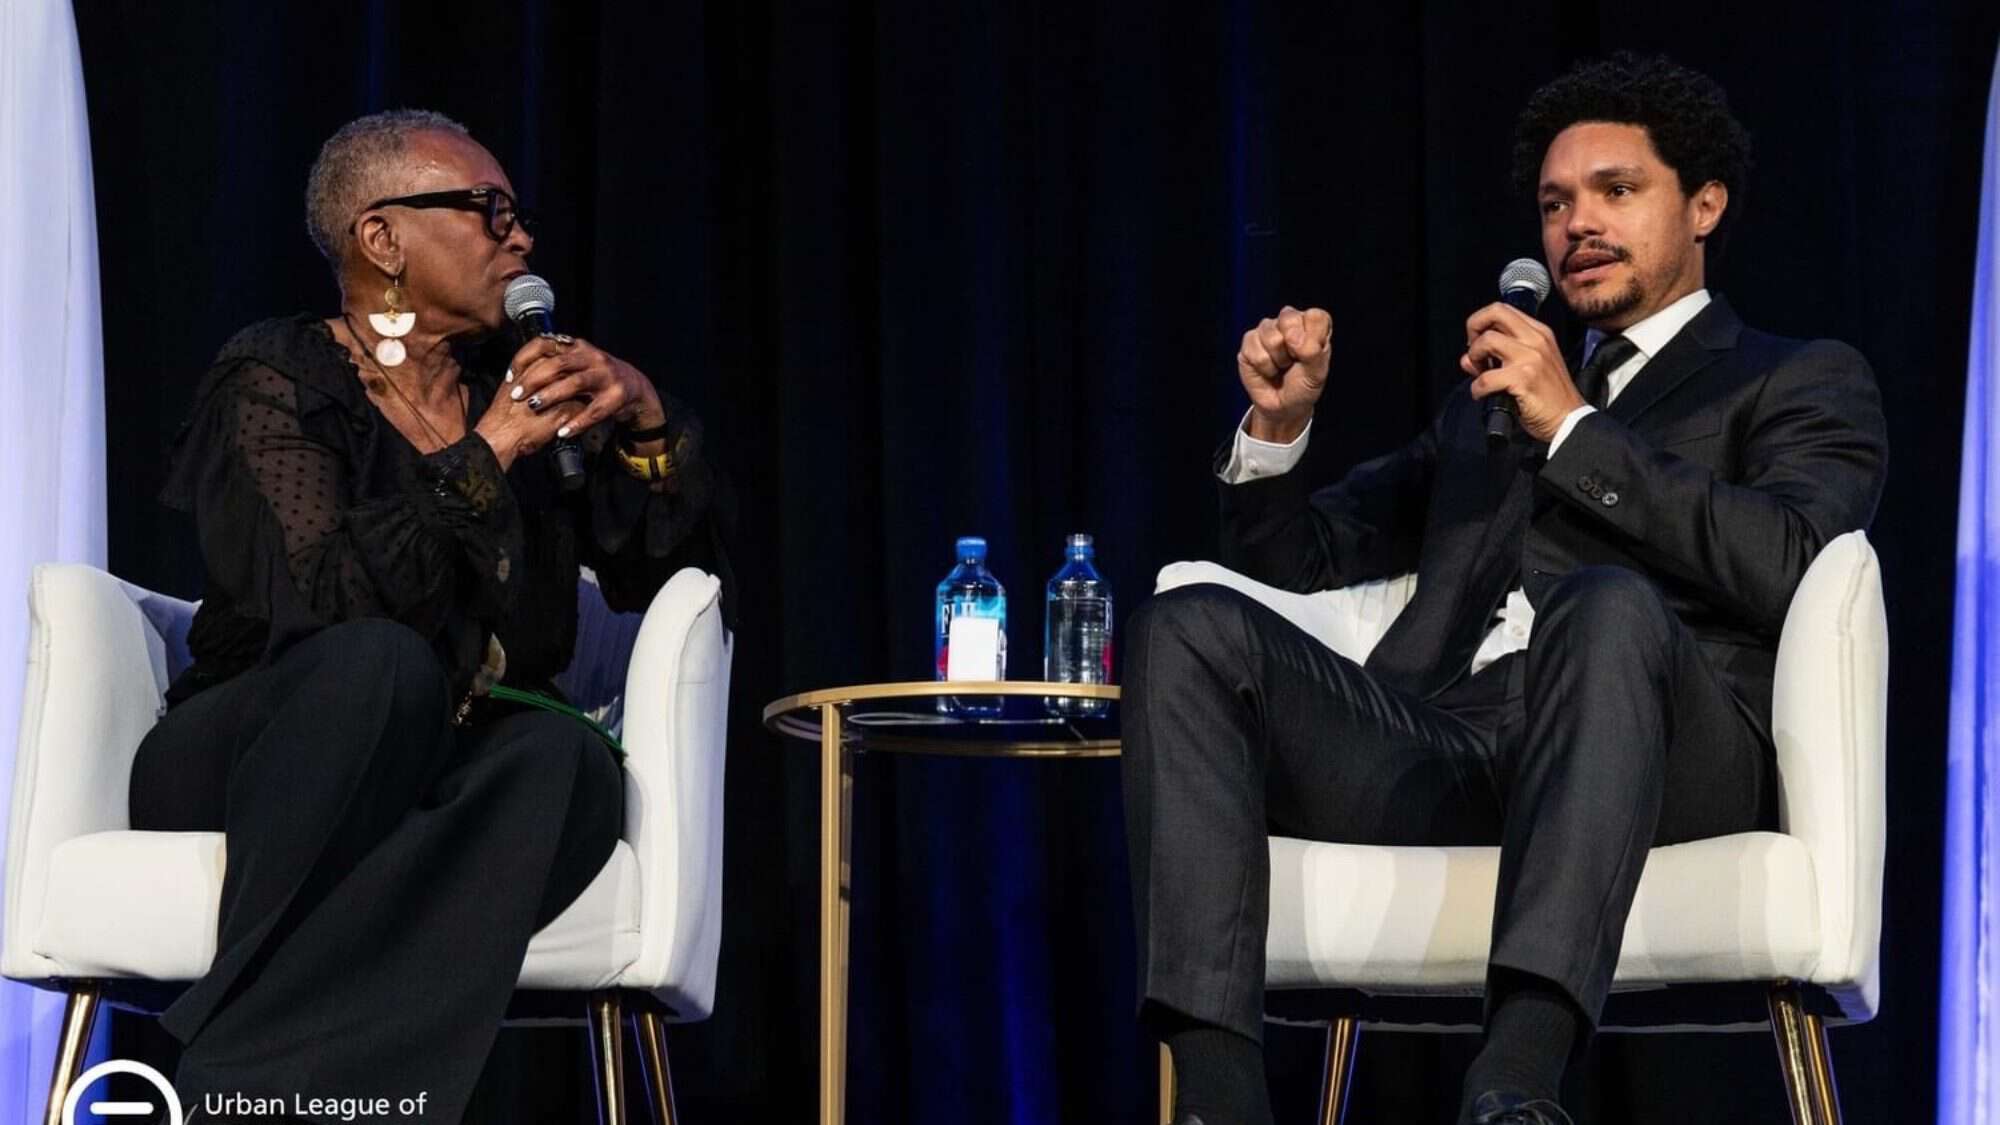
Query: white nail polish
point(516, 396)
point(564, 432)
point(510, 375)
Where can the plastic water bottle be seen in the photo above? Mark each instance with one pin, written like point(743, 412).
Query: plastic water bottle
point(971, 627)
point(1076, 632)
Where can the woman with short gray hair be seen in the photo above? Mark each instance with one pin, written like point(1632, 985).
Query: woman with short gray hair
point(385, 541)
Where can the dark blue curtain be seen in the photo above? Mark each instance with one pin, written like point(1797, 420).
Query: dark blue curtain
point(932, 269)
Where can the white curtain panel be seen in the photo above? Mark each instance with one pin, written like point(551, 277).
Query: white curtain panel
point(52, 423)
point(1969, 1032)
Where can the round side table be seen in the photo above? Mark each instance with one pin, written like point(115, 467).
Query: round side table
point(998, 719)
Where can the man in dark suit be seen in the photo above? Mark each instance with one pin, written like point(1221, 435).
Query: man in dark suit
point(1585, 670)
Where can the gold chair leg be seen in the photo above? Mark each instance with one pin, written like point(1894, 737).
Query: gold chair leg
point(1166, 1086)
point(1825, 1093)
point(79, 1015)
point(1343, 1035)
point(1803, 1059)
point(607, 1055)
point(651, 1031)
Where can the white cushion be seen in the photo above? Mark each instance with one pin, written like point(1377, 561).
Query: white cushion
point(1349, 620)
point(143, 904)
point(1420, 919)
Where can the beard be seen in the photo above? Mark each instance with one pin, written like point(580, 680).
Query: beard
point(1597, 304)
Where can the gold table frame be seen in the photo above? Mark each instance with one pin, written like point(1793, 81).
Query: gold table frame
point(815, 716)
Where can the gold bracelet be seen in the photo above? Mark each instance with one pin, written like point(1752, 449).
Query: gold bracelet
point(657, 467)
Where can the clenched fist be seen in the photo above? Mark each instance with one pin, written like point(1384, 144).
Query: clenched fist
point(1283, 367)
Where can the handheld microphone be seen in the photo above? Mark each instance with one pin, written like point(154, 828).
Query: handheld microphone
point(1524, 284)
point(531, 305)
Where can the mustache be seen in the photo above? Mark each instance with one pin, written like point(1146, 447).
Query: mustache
point(1618, 253)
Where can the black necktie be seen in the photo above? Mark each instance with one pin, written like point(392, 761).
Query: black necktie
point(1594, 381)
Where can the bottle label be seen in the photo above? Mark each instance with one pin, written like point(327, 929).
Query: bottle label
point(973, 649)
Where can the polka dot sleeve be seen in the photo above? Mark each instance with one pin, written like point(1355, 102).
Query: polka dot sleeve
point(448, 531)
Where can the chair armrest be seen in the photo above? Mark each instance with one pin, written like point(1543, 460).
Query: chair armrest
point(676, 717)
point(1349, 620)
point(1829, 714)
point(96, 671)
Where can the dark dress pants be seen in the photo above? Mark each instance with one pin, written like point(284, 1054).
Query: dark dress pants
point(1610, 734)
point(385, 868)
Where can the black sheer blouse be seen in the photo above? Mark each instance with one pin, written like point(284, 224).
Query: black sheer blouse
point(311, 509)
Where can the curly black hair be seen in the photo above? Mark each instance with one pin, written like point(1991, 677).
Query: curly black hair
point(1684, 112)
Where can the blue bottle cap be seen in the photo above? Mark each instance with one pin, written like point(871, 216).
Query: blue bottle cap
point(1079, 546)
point(972, 547)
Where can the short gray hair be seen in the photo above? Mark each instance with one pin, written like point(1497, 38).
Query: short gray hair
point(361, 163)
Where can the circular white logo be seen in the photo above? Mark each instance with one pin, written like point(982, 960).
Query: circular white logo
point(122, 1109)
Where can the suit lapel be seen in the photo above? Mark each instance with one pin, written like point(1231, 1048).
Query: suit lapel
point(1712, 332)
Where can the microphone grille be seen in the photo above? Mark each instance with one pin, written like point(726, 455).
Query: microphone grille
point(529, 293)
point(1521, 273)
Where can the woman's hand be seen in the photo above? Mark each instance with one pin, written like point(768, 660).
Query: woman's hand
point(556, 369)
point(516, 427)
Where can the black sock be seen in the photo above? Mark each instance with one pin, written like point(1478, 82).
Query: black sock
point(1529, 1037)
point(1219, 1075)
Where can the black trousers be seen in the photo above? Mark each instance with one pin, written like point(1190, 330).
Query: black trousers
point(1610, 734)
point(385, 868)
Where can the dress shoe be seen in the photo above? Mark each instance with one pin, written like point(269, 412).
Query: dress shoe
point(1497, 1107)
point(1188, 1119)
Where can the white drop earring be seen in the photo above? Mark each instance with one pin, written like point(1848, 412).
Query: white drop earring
point(392, 325)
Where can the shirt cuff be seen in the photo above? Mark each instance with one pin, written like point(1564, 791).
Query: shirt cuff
point(1251, 459)
point(1569, 423)
point(466, 471)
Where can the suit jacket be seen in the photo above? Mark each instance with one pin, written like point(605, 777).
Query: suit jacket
point(1719, 472)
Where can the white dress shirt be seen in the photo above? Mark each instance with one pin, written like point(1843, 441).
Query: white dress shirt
point(1250, 459)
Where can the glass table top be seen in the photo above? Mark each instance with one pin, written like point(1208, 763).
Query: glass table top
point(1012, 718)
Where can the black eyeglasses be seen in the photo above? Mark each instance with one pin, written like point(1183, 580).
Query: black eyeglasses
point(499, 208)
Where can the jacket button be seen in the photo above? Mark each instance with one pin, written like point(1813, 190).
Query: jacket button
point(1611, 499)
point(1586, 483)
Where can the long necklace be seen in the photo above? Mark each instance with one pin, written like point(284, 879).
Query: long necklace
point(464, 406)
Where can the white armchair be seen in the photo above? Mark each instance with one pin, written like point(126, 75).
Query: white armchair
point(101, 912)
point(1397, 937)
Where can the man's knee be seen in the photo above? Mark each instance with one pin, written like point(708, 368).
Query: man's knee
point(1182, 646)
point(1178, 641)
point(1201, 618)
point(1603, 638)
point(1608, 603)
